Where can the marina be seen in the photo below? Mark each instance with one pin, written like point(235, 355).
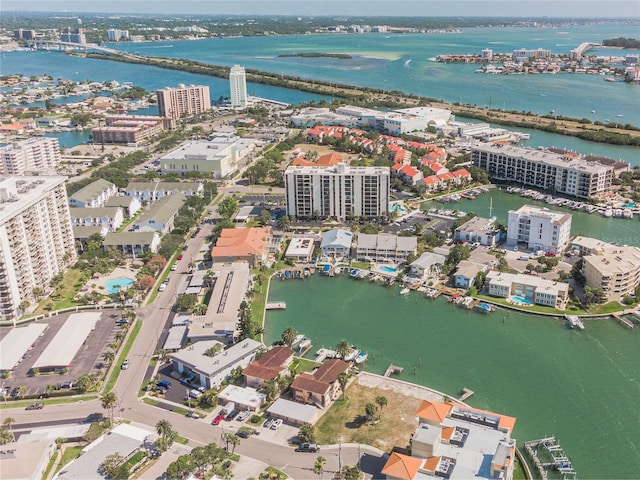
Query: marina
point(546, 454)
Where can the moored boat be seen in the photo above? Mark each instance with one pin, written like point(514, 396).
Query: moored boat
point(404, 291)
point(485, 307)
point(353, 353)
point(362, 357)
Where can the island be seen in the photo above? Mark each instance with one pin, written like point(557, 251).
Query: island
point(343, 56)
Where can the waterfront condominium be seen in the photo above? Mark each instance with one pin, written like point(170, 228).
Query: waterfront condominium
point(34, 154)
point(36, 239)
point(183, 101)
point(238, 87)
point(565, 173)
point(540, 228)
point(338, 191)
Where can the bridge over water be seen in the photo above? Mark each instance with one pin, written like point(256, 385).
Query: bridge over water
point(59, 45)
point(584, 47)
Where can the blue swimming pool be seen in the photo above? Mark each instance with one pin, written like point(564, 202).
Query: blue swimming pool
point(397, 208)
point(387, 269)
point(115, 284)
point(521, 299)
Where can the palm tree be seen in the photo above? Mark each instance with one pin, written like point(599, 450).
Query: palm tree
point(109, 401)
point(381, 401)
point(109, 356)
point(343, 348)
point(231, 439)
point(21, 391)
point(165, 429)
point(343, 379)
point(318, 467)
point(289, 336)
point(8, 421)
point(119, 336)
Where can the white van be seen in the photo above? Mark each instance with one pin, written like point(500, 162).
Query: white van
point(523, 257)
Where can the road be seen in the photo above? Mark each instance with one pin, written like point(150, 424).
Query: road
point(154, 320)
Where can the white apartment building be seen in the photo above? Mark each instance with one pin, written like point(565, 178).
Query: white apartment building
point(565, 173)
point(238, 87)
point(218, 156)
point(93, 195)
point(115, 35)
point(339, 191)
point(540, 228)
point(36, 238)
point(38, 153)
point(530, 287)
point(384, 248)
point(183, 101)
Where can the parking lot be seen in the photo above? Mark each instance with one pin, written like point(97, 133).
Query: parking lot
point(87, 360)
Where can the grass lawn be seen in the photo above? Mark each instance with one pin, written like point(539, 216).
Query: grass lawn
point(68, 454)
point(67, 288)
point(346, 418)
point(301, 365)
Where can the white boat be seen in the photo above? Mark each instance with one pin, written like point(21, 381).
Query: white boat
point(608, 212)
point(362, 357)
point(353, 353)
point(404, 291)
point(298, 339)
point(575, 322)
point(304, 344)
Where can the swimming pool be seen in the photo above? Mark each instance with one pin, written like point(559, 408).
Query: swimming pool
point(387, 269)
point(115, 284)
point(519, 299)
point(397, 208)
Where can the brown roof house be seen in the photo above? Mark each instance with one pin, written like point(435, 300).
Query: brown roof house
point(237, 244)
point(320, 387)
point(273, 363)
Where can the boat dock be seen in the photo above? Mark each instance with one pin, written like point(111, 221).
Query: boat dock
point(392, 369)
point(276, 306)
point(324, 353)
point(623, 321)
point(546, 453)
point(466, 393)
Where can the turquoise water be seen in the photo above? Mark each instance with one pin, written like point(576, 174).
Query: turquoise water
point(521, 299)
point(386, 269)
point(582, 386)
point(115, 284)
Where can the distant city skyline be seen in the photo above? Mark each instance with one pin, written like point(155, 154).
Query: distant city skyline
point(352, 8)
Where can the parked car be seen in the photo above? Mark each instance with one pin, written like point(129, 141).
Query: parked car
point(162, 287)
point(36, 406)
point(193, 414)
point(161, 390)
point(234, 413)
point(180, 257)
point(308, 447)
point(243, 415)
point(268, 423)
point(195, 394)
point(218, 419)
point(243, 434)
point(276, 424)
point(164, 383)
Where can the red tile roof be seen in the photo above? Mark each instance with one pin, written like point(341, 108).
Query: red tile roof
point(401, 466)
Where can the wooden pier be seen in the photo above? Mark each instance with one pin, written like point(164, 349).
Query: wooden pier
point(555, 458)
point(623, 321)
point(466, 393)
point(276, 306)
point(392, 369)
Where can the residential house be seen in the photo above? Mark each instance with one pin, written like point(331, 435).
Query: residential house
point(82, 234)
point(478, 229)
point(531, 288)
point(93, 195)
point(465, 274)
point(336, 244)
point(130, 205)
point(320, 387)
point(110, 217)
point(133, 243)
point(428, 263)
point(150, 192)
point(161, 215)
point(268, 367)
point(300, 249)
point(384, 248)
point(408, 174)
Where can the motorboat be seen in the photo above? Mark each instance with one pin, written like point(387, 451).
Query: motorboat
point(362, 357)
point(352, 355)
point(404, 291)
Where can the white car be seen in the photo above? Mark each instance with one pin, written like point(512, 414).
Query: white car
point(276, 424)
point(162, 287)
point(174, 267)
point(243, 415)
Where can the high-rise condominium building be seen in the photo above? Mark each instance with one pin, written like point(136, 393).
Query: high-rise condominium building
point(38, 153)
point(540, 228)
point(183, 101)
point(238, 87)
point(36, 238)
point(338, 191)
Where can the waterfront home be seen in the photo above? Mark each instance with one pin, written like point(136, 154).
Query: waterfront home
point(431, 161)
point(466, 272)
point(336, 244)
point(384, 248)
point(133, 243)
point(242, 244)
point(540, 228)
point(527, 289)
point(478, 229)
point(408, 174)
point(300, 249)
point(209, 370)
point(427, 264)
point(456, 442)
point(270, 365)
point(161, 215)
point(321, 387)
point(110, 217)
point(93, 195)
point(613, 269)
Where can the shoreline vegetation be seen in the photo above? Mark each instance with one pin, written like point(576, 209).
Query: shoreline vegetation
point(612, 133)
point(344, 56)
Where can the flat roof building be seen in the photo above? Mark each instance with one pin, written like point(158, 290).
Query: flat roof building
point(238, 87)
point(615, 270)
point(540, 228)
point(40, 154)
point(478, 229)
point(183, 101)
point(527, 289)
point(384, 248)
point(300, 249)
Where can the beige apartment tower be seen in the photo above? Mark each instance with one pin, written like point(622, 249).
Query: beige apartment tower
point(183, 101)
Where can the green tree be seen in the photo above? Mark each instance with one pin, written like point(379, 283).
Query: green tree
point(165, 430)
point(6, 436)
point(371, 410)
point(318, 467)
point(284, 223)
point(227, 207)
point(181, 467)
point(343, 348)
point(457, 254)
point(381, 402)
point(113, 467)
point(306, 433)
point(343, 379)
point(186, 301)
point(109, 400)
point(213, 351)
point(289, 336)
point(109, 356)
point(8, 422)
point(272, 390)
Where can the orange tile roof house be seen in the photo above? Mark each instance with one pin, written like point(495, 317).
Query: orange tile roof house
point(242, 244)
point(320, 387)
point(454, 441)
point(273, 363)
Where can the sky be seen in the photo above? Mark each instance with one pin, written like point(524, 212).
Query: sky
point(427, 8)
